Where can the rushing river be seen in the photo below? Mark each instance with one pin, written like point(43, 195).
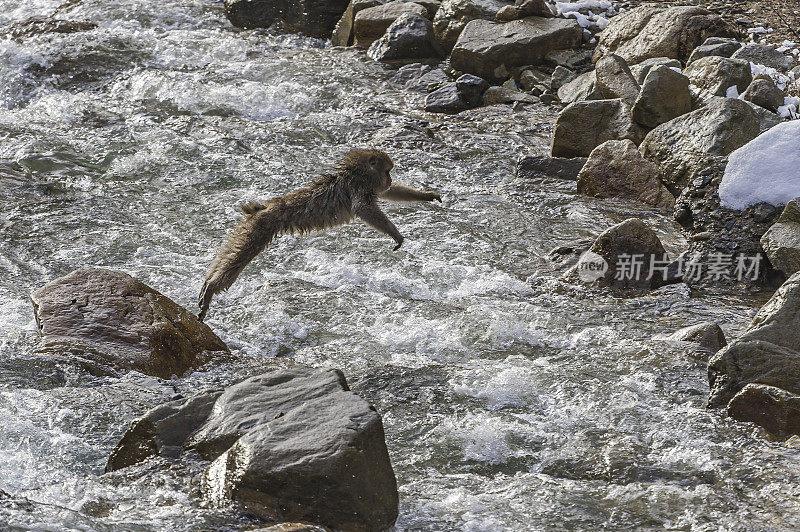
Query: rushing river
point(511, 399)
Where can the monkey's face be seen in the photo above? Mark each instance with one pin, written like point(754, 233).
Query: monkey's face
point(381, 166)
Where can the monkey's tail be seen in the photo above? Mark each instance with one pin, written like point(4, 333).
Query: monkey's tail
point(249, 238)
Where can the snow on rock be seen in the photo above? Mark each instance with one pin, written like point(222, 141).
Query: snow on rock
point(766, 169)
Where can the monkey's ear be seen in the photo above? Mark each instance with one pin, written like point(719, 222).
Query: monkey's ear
point(373, 161)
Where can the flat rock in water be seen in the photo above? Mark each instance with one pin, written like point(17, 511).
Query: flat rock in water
point(370, 24)
point(292, 445)
point(706, 338)
point(582, 126)
point(492, 50)
point(316, 18)
point(665, 95)
point(768, 56)
point(453, 16)
point(715, 75)
point(409, 38)
point(545, 167)
point(110, 322)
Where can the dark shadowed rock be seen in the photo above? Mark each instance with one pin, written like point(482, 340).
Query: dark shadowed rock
point(582, 126)
point(501, 95)
point(311, 17)
point(715, 75)
point(614, 79)
point(646, 32)
point(492, 50)
point(764, 93)
point(640, 70)
point(580, 89)
point(111, 322)
point(409, 38)
point(767, 353)
point(544, 167)
point(665, 95)
point(715, 46)
point(471, 89)
point(764, 55)
point(370, 24)
point(291, 445)
point(454, 15)
point(775, 410)
point(343, 32)
point(579, 60)
point(447, 99)
point(683, 146)
point(40, 25)
point(616, 169)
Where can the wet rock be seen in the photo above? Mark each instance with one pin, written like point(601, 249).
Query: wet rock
point(491, 50)
point(110, 322)
point(544, 167)
point(447, 100)
point(616, 169)
point(707, 338)
point(715, 75)
point(646, 32)
point(775, 410)
point(781, 242)
point(501, 95)
point(683, 146)
point(471, 88)
point(567, 255)
point(582, 126)
point(715, 46)
point(293, 444)
point(764, 55)
point(343, 32)
point(767, 353)
point(764, 93)
point(453, 16)
point(665, 95)
point(561, 76)
point(641, 70)
point(619, 244)
point(614, 79)
point(524, 8)
point(316, 18)
point(531, 77)
point(370, 24)
point(409, 38)
point(418, 76)
point(41, 25)
point(583, 88)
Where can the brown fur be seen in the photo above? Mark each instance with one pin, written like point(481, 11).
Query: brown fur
point(333, 199)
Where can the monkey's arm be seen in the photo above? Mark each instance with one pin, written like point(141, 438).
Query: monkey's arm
point(374, 216)
point(404, 193)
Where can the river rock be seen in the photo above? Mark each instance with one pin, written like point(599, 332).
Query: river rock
point(582, 126)
point(705, 339)
point(645, 32)
point(370, 24)
point(775, 410)
point(446, 99)
point(768, 56)
point(291, 527)
point(623, 243)
point(501, 95)
point(561, 76)
point(767, 118)
point(545, 167)
point(616, 169)
point(781, 242)
point(640, 70)
point(454, 15)
point(409, 38)
point(40, 25)
point(665, 95)
point(110, 322)
point(343, 32)
point(614, 79)
point(471, 88)
point(683, 146)
point(293, 445)
point(418, 76)
point(715, 46)
point(580, 89)
point(764, 93)
point(316, 18)
point(715, 75)
point(579, 60)
point(767, 353)
point(492, 50)
point(524, 8)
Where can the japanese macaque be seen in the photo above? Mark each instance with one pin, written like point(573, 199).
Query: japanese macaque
point(333, 199)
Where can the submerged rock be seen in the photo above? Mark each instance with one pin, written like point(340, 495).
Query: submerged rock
point(370, 24)
point(454, 15)
point(293, 444)
point(409, 38)
point(40, 25)
point(582, 126)
point(492, 50)
point(645, 32)
point(544, 167)
point(316, 18)
point(715, 75)
point(665, 95)
point(110, 322)
point(705, 338)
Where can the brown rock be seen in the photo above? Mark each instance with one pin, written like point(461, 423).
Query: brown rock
point(665, 95)
point(582, 126)
point(370, 24)
point(775, 410)
point(614, 79)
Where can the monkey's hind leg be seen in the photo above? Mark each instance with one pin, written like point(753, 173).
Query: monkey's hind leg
point(249, 238)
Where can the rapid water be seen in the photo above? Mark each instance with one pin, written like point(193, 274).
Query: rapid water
point(511, 399)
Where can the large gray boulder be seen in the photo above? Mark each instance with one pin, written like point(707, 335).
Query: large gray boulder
point(646, 32)
point(715, 75)
point(683, 146)
point(640, 70)
point(767, 353)
point(580, 89)
point(764, 55)
point(665, 95)
point(775, 410)
point(453, 16)
point(614, 79)
point(110, 323)
point(715, 46)
point(409, 38)
point(764, 93)
point(781, 242)
point(370, 24)
point(311, 17)
point(582, 126)
point(616, 169)
point(292, 445)
point(343, 32)
point(491, 50)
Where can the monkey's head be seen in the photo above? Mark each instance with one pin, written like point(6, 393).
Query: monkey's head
point(370, 168)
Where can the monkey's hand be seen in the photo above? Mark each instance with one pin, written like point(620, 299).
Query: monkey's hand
point(399, 243)
point(433, 195)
